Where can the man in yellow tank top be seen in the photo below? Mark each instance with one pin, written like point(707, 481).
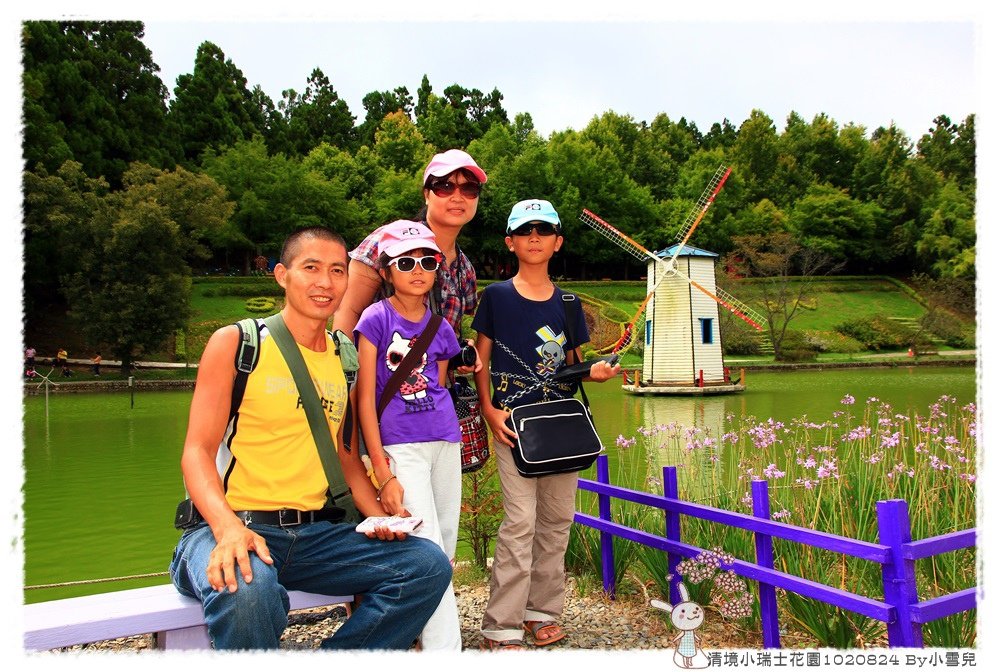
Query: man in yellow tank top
point(256, 479)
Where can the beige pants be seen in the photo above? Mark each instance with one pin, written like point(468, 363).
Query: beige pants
point(527, 583)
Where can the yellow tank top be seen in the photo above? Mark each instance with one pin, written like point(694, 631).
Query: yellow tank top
point(268, 458)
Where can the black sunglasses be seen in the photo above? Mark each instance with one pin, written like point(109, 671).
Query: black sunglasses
point(447, 188)
point(542, 228)
point(407, 264)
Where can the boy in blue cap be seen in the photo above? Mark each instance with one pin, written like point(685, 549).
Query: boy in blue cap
point(523, 335)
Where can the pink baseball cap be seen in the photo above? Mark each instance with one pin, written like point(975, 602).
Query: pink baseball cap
point(448, 162)
point(403, 235)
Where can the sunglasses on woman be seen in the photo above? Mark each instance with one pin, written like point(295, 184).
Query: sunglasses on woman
point(407, 264)
point(445, 189)
point(542, 228)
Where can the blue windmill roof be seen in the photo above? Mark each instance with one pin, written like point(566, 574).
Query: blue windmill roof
point(687, 251)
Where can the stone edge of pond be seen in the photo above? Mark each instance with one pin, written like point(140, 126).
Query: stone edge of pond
point(33, 388)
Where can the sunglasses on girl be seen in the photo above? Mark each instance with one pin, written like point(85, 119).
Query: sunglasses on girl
point(542, 228)
point(445, 189)
point(407, 264)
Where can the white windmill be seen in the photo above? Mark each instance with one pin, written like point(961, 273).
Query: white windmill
point(683, 341)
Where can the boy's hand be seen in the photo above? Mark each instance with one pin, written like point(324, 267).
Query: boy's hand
point(496, 418)
point(601, 371)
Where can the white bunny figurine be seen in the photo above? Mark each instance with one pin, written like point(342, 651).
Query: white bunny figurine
point(687, 617)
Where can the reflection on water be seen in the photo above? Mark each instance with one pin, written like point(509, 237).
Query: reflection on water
point(102, 479)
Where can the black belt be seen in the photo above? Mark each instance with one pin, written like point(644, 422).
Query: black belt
point(290, 517)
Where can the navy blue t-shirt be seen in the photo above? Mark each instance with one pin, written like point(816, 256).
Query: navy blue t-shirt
point(530, 342)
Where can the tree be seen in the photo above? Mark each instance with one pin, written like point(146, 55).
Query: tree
point(755, 157)
point(212, 108)
point(950, 148)
point(274, 196)
point(132, 288)
point(399, 145)
point(776, 259)
point(947, 242)
point(56, 208)
point(317, 115)
point(423, 98)
point(92, 94)
point(379, 104)
point(195, 202)
point(828, 220)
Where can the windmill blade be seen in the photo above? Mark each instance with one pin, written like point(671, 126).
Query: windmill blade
point(698, 213)
point(730, 303)
point(617, 237)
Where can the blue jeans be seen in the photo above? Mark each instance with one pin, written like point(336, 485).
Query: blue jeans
point(402, 583)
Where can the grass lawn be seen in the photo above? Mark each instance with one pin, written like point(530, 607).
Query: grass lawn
point(836, 301)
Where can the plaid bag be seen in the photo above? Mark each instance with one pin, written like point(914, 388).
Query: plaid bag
point(475, 437)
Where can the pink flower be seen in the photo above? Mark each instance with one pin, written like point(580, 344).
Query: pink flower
point(778, 515)
point(971, 478)
point(772, 471)
point(891, 441)
point(847, 400)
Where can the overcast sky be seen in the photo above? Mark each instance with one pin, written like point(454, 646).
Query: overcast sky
point(564, 73)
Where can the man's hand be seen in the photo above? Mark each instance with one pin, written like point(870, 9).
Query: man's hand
point(235, 544)
point(385, 534)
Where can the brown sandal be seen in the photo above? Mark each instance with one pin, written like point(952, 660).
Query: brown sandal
point(544, 632)
point(500, 644)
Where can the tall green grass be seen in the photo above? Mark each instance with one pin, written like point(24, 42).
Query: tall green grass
point(827, 476)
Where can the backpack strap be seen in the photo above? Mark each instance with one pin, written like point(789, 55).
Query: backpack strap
point(247, 356)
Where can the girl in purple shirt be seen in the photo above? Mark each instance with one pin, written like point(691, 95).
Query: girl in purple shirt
point(415, 444)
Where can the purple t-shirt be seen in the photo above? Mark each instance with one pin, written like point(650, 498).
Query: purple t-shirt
point(421, 410)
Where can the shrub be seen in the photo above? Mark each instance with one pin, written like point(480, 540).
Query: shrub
point(875, 332)
point(741, 342)
point(795, 347)
point(831, 341)
point(260, 304)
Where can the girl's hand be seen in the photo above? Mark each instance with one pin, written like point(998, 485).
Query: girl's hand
point(496, 418)
point(391, 497)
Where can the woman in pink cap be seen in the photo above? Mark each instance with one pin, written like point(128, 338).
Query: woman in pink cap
point(452, 182)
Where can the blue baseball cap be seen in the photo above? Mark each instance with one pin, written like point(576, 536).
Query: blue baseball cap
point(532, 210)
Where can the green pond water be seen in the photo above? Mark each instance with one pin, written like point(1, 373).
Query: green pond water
point(102, 478)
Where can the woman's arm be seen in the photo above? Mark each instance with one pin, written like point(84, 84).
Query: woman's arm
point(362, 285)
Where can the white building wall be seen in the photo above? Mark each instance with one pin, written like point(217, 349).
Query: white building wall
point(707, 356)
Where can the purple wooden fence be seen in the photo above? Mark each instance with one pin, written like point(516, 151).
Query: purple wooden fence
point(902, 610)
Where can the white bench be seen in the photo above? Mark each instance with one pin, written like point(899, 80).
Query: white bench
point(177, 620)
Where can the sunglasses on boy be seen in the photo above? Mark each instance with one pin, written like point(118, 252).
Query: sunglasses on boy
point(541, 228)
point(447, 188)
point(429, 263)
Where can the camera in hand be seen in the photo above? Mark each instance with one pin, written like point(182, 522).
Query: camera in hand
point(467, 357)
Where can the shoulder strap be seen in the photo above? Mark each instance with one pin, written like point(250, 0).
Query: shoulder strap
point(247, 356)
point(569, 300)
point(409, 362)
point(310, 402)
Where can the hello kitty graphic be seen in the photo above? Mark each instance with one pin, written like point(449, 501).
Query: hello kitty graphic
point(414, 387)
